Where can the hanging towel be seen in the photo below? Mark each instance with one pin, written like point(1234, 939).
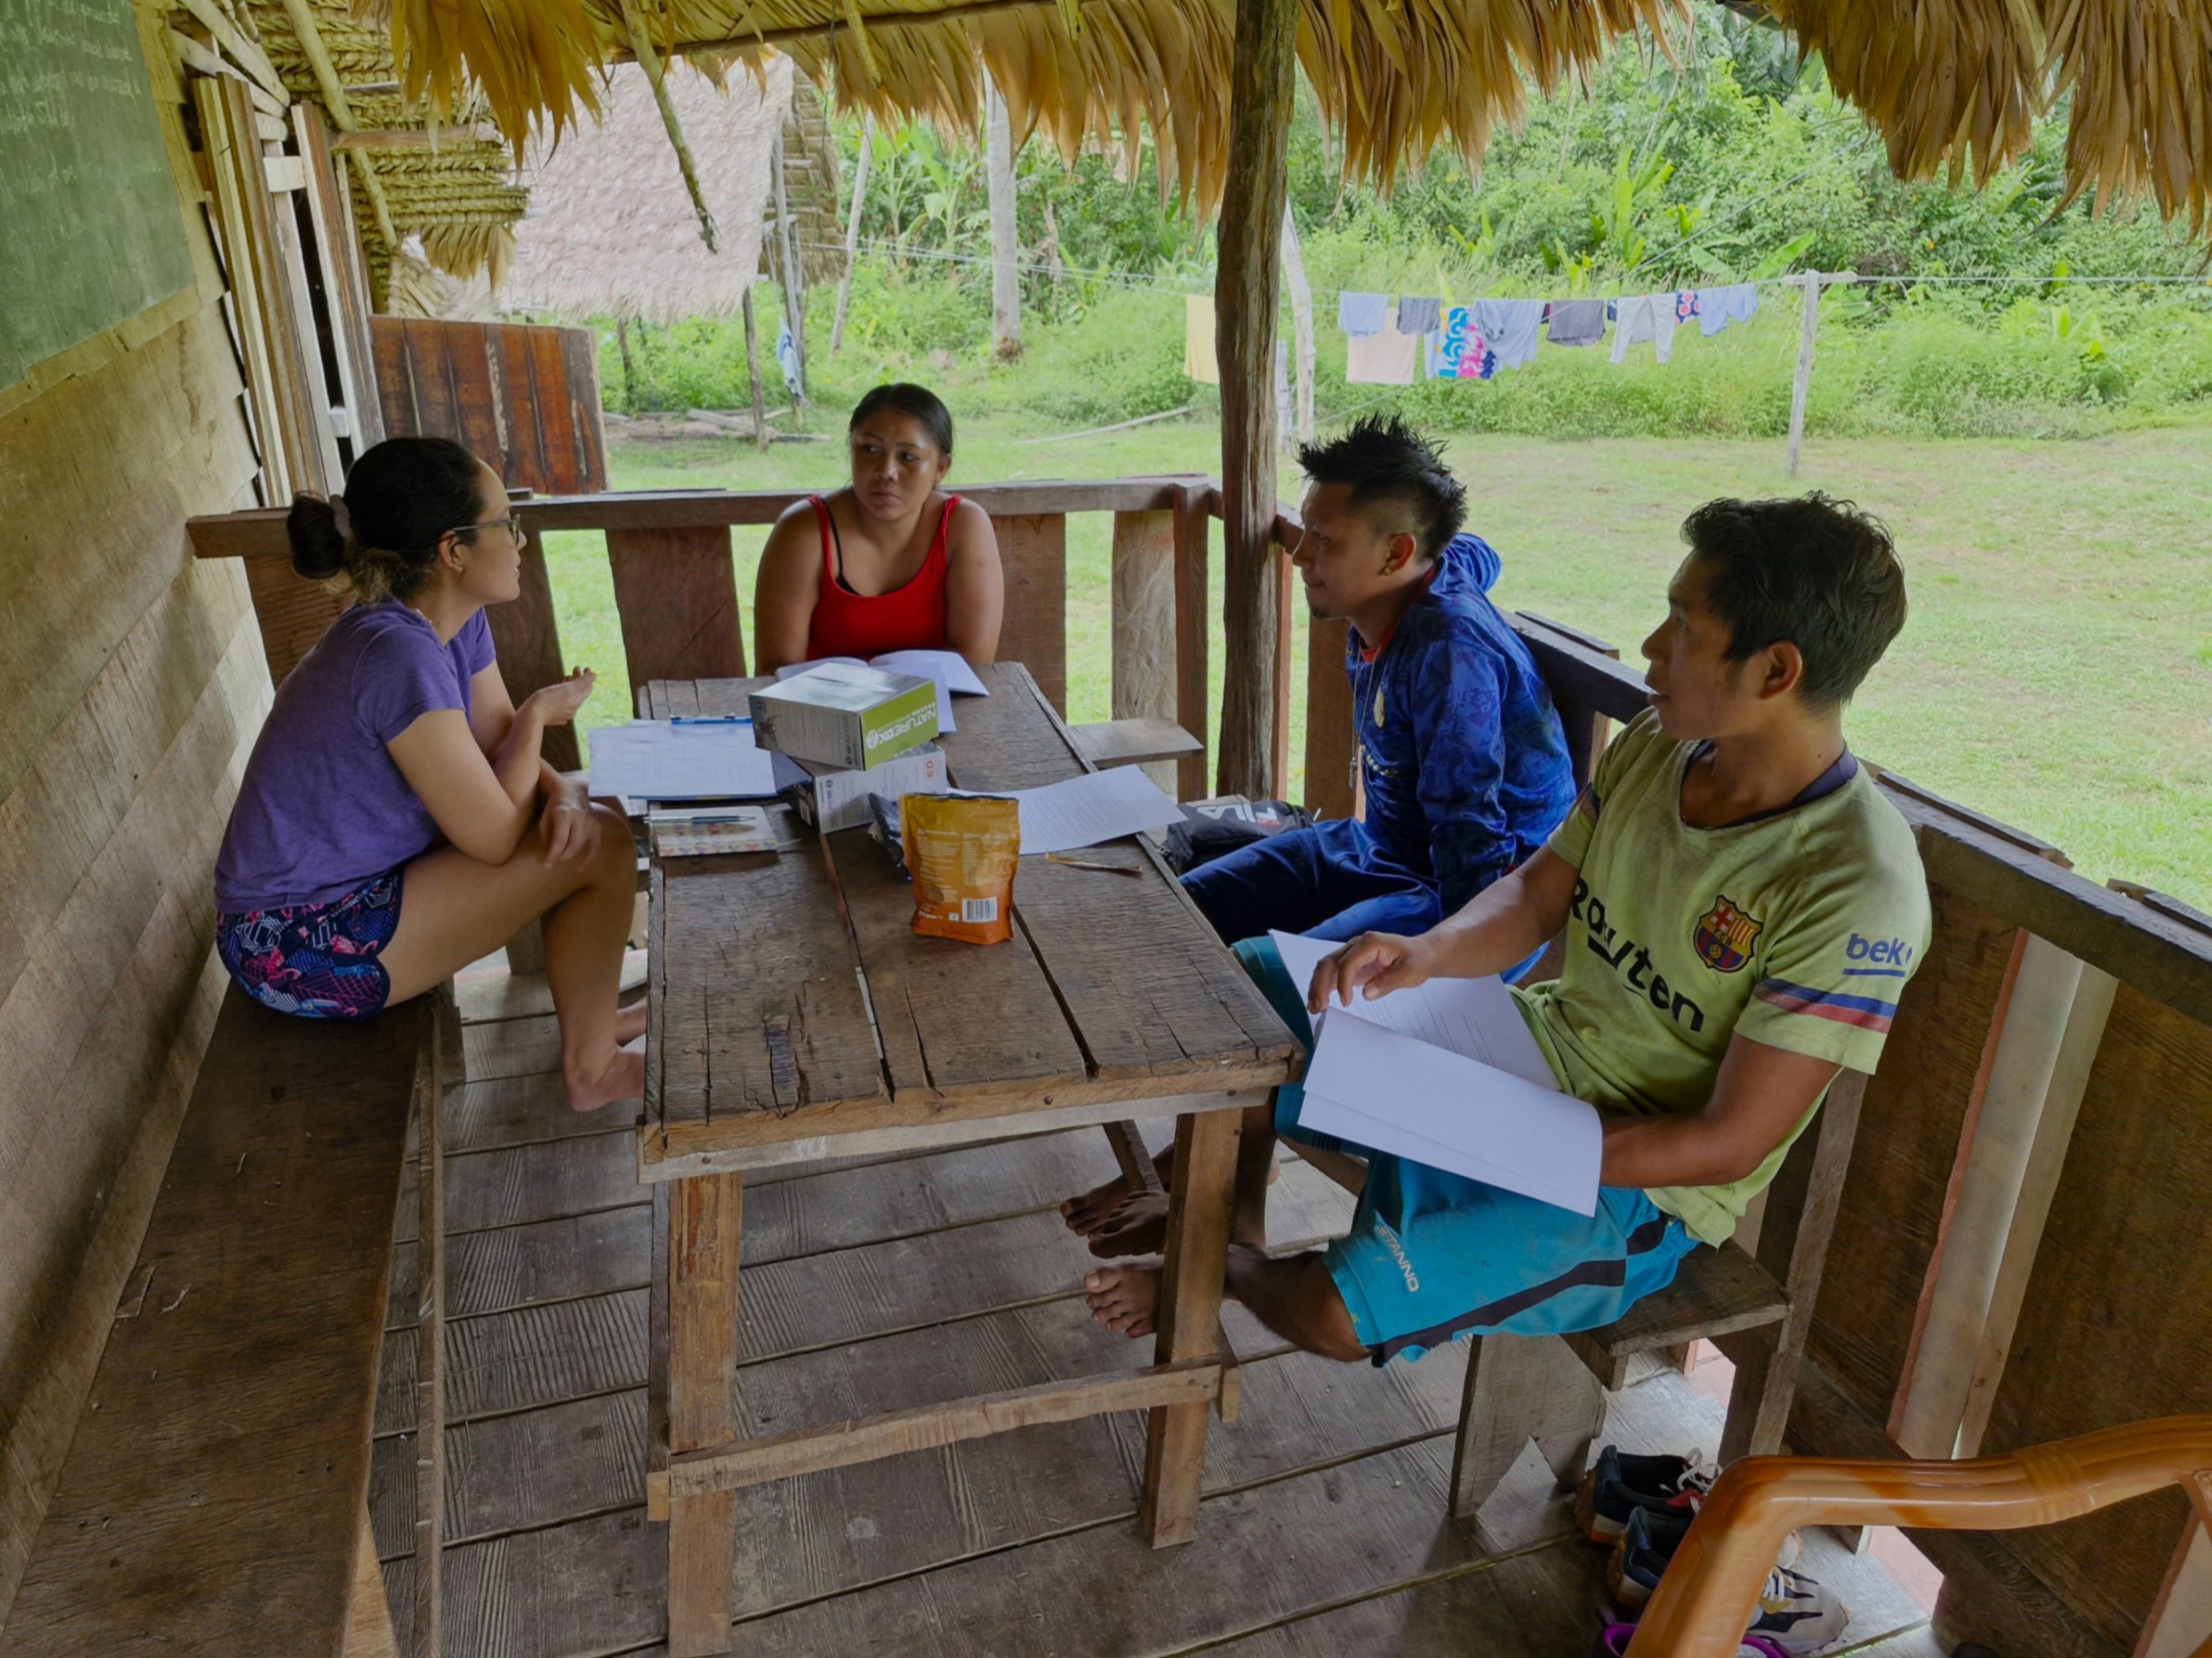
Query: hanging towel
point(1199, 360)
point(1362, 314)
point(1577, 322)
point(786, 356)
point(1645, 316)
point(1462, 352)
point(1719, 306)
point(1388, 358)
point(1511, 327)
point(1420, 316)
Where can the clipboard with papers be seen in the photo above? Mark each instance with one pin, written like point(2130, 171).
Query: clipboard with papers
point(1447, 1074)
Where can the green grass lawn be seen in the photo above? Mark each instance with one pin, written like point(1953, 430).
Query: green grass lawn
point(2057, 671)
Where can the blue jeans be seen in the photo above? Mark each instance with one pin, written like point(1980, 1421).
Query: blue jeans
point(1329, 880)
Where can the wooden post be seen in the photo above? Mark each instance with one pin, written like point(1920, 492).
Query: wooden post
point(1006, 240)
point(1301, 316)
point(1984, 1198)
point(1145, 625)
point(1331, 749)
point(1199, 1201)
point(1249, 238)
point(794, 288)
point(853, 231)
point(1811, 281)
point(1192, 525)
point(753, 369)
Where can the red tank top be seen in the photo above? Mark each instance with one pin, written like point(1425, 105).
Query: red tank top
point(909, 618)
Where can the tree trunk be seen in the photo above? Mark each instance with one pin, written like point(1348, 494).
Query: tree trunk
point(752, 368)
point(1294, 268)
point(1005, 241)
point(852, 232)
point(1249, 237)
point(794, 284)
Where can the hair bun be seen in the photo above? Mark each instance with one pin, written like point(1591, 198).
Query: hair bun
point(318, 536)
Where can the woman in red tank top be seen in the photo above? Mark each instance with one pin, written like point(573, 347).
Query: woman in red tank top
point(891, 562)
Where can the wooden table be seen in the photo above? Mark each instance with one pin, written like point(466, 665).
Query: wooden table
point(795, 1016)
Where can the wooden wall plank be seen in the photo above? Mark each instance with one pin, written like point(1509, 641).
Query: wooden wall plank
point(1331, 743)
point(677, 592)
point(1908, 1142)
point(2113, 1327)
point(101, 472)
point(1193, 527)
point(1033, 549)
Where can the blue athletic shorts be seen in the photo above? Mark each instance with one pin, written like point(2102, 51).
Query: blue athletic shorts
point(1432, 1256)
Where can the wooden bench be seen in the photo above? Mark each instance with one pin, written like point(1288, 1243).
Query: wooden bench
point(214, 1497)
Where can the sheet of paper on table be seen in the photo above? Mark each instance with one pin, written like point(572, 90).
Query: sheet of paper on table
point(1086, 811)
point(681, 760)
point(1476, 1017)
point(1377, 1087)
point(949, 668)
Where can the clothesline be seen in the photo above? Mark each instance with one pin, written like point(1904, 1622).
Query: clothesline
point(1136, 280)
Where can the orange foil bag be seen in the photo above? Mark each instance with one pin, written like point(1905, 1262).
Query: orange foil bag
point(962, 853)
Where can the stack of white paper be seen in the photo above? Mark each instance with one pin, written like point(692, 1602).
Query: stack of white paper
point(949, 668)
point(1447, 1074)
point(686, 760)
point(1096, 807)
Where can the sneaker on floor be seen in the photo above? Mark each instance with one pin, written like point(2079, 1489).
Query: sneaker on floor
point(1648, 1544)
point(1619, 1483)
point(1798, 1612)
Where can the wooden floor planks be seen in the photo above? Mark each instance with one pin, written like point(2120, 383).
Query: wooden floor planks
point(871, 1285)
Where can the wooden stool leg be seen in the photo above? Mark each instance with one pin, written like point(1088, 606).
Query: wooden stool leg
point(1519, 1388)
point(1200, 1199)
point(696, 1324)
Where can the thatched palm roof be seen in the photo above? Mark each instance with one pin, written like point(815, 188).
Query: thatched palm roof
point(1950, 82)
point(612, 231)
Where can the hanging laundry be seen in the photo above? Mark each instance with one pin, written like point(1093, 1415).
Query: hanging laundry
point(1686, 304)
point(1719, 306)
point(1420, 316)
point(1511, 327)
point(1577, 322)
point(787, 356)
point(1460, 350)
point(1199, 360)
point(1361, 314)
point(1387, 358)
point(1645, 316)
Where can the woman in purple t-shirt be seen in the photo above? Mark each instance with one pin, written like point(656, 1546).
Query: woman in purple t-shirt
point(396, 822)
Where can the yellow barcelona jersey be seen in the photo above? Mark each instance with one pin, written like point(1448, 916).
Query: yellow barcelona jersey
point(1797, 928)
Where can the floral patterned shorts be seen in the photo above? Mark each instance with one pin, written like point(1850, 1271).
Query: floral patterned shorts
point(317, 960)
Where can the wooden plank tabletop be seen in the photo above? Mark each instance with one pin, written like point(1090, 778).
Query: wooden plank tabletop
point(791, 997)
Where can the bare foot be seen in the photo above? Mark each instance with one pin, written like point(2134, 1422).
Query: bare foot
point(623, 1080)
point(629, 1023)
point(1124, 1298)
point(1138, 1227)
point(1087, 1213)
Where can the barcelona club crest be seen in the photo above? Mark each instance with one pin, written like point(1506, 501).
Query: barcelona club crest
point(1724, 935)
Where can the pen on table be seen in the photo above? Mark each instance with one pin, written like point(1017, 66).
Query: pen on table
point(1105, 869)
point(710, 720)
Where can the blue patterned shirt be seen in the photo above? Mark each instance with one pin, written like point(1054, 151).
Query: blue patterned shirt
point(1461, 752)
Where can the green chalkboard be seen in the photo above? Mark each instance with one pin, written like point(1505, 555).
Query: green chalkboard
point(90, 232)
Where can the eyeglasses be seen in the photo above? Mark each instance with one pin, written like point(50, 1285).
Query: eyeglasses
point(512, 524)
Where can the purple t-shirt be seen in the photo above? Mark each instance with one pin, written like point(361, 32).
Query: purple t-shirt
point(323, 808)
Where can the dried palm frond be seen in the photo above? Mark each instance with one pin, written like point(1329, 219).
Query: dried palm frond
point(2141, 75)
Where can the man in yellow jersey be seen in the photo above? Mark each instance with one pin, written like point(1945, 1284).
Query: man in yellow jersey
point(1743, 909)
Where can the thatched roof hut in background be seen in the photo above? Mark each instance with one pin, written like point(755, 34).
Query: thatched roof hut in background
point(612, 231)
